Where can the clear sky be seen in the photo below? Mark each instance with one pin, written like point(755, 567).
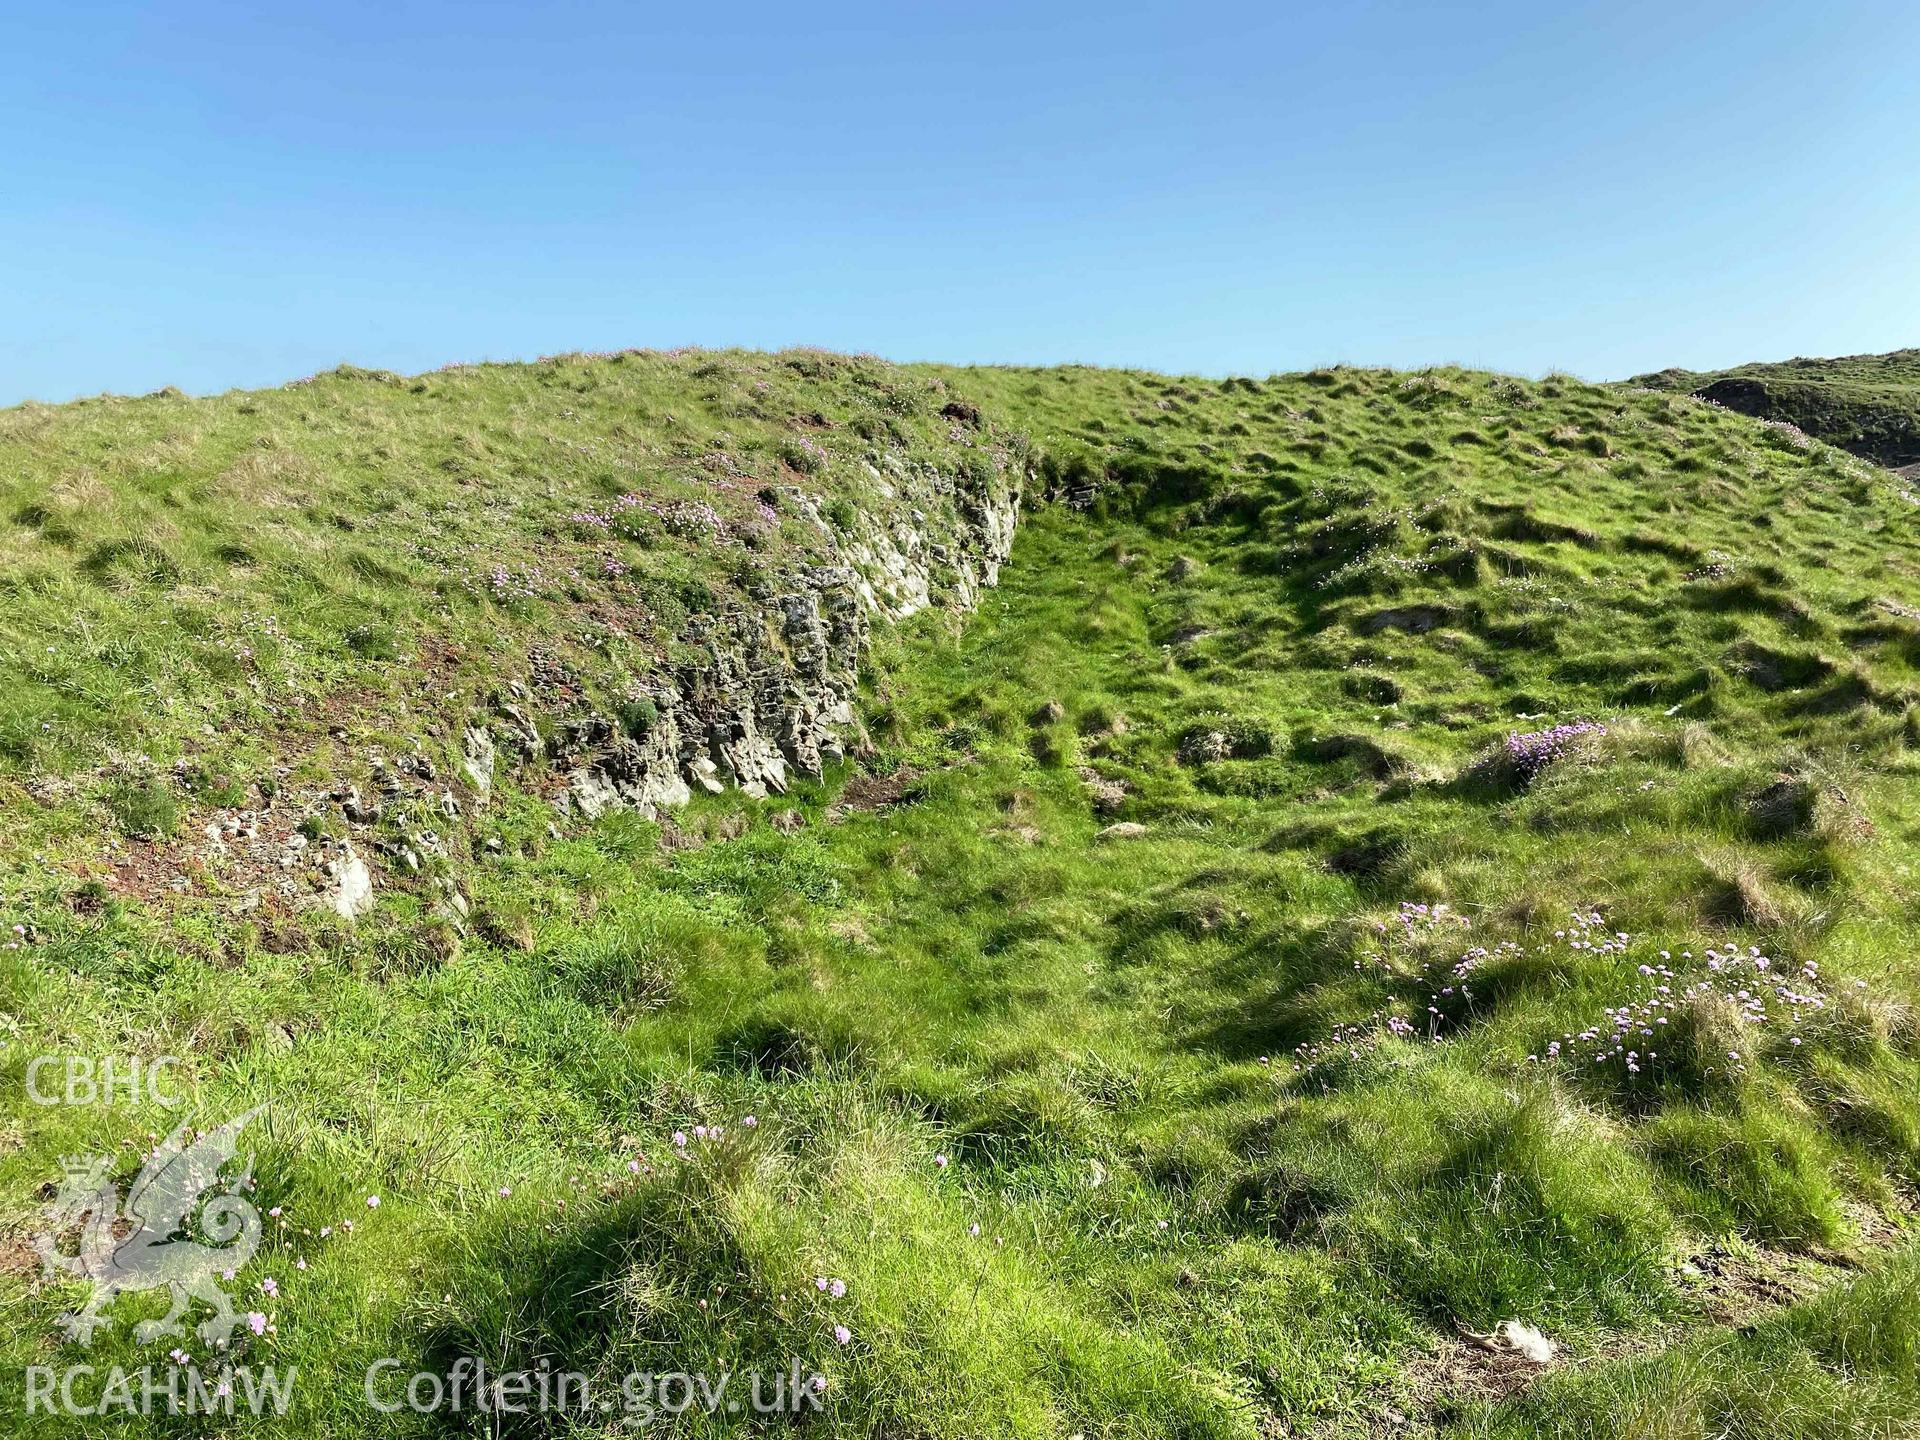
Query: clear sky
point(211, 194)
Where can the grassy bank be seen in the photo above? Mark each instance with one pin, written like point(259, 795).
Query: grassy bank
point(1396, 853)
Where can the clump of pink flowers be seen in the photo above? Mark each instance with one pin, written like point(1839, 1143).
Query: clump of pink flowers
point(1351, 1041)
point(1445, 977)
point(1756, 991)
point(627, 514)
point(1411, 926)
point(1528, 753)
point(1752, 991)
point(503, 584)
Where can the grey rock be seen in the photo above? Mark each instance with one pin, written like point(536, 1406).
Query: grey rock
point(592, 791)
point(351, 882)
point(1107, 795)
point(1206, 747)
point(477, 761)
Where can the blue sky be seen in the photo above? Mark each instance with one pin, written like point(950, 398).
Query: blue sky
point(211, 195)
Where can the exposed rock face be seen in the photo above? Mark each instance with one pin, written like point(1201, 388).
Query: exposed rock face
point(1887, 433)
point(769, 688)
point(752, 691)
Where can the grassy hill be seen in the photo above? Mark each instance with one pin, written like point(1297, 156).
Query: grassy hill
point(1394, 854)
point(1868, 404)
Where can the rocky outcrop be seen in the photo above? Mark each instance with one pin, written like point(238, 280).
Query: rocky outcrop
point(765, 688)
point(1881, 427)
point(752, 692)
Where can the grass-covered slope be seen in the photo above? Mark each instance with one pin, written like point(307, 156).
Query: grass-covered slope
point(1868, 404)
point(1396, 854)
point(232, 563)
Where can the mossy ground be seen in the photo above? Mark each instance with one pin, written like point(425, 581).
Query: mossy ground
point(1252, 1110)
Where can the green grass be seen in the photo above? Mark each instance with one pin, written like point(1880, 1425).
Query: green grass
point(1248, 1123)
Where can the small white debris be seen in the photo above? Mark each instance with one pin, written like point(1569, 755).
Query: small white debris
point(1516, 1337)
point(352, 886)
